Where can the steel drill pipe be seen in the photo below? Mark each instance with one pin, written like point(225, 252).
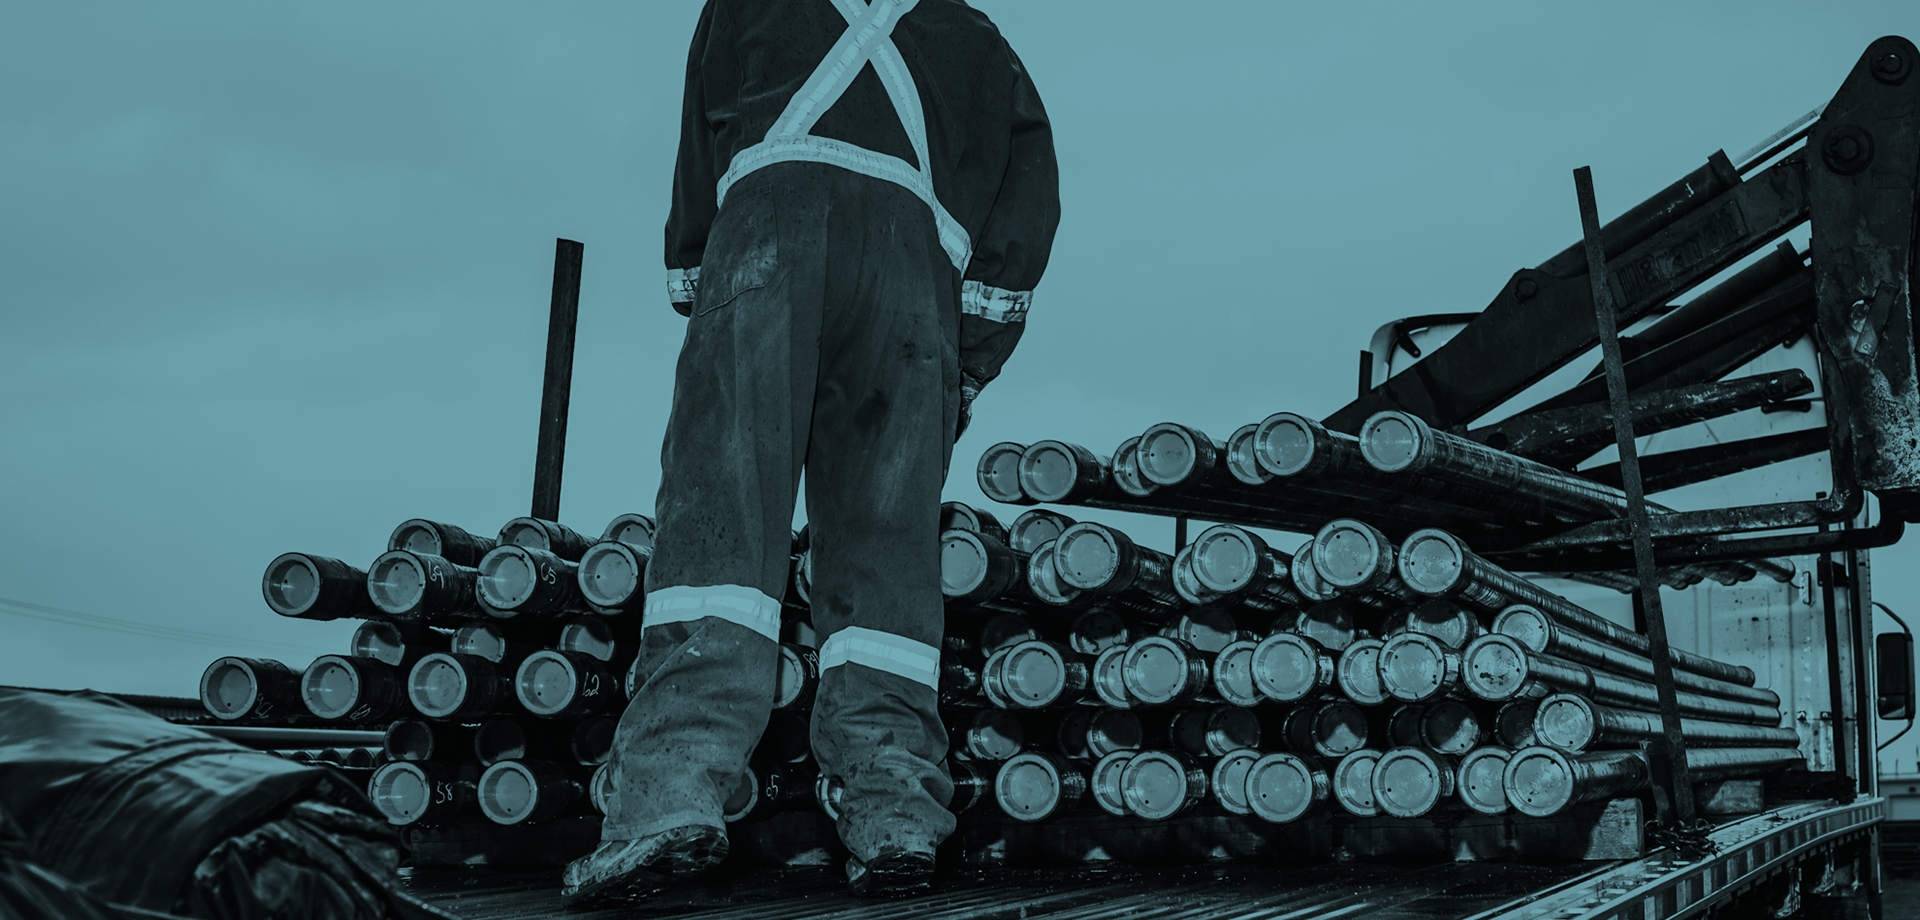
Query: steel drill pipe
point(1281, 788)
point(1100, 559)
point(1500, 668)
point(1301, 451)
point(1331, 729)
point(1574, 723)
point(1288, 668)
point(234, 689)
point(1409, 782)
point(1034, 527)
point(1233, 674)
point(1451, 623)
point(547, 536)
point(612, 576)
point(1043, 579)
point(1227, 781)
point(1542, 781)
point(998, 473)
point(527, 792)
point(398, 643)
point(1353, 783)
point(1213, 731)
point(459, 687)
point(425, 793)
point(417, 586)
point(1480, 780)
point(764, 793)
point(1037, 674)
point(1067, 474)
point(1242, 458)
point(433, 538)
point(1158, 671)
point(1162, 785)
point(1358, 672)
point(1209, 628)
point(496, 642)
point(351, 688)
point(309, 587)
point(1356, 558)
point(1401, 727)
point(1513, 723)
point(523, 581)
point(1036, 786)
point(1186, 465)
point(1452, 727)
point(1417, 668)
point(1437, 564)
point(962, 516)
point(1330, 624)
point(562, 685)
point(420, 740)
point(521, 738)
point(635, 530)
point(1103, 783)
point(978, 568)
point(796, 678)
point(1400, 443)
point(1090, 733)
point(984, 734)
point(1096, 630)
point(1110, 678)
point(1244, 570)
point(612, 640)
point(1539, 634)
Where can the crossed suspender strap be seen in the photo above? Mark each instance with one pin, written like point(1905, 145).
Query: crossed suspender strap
point(868, 39)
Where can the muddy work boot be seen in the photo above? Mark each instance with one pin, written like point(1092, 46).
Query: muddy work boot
point(892, 873)
point(630, 870)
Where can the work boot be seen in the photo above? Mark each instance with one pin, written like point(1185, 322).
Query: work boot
point(630, 870)
point(893, 873)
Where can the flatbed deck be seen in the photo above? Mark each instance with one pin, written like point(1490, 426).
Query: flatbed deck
point(1748, 851)
point(1377, 891)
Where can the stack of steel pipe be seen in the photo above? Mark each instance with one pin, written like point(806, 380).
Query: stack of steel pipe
point(1289, 472)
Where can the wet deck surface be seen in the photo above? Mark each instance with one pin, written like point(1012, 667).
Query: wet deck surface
point(1372, 891)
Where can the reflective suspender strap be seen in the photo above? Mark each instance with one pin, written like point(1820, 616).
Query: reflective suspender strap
point(735, 604)
point(868, 39)
point(882, 651)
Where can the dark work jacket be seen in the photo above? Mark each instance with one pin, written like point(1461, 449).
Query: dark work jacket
point(988, 138)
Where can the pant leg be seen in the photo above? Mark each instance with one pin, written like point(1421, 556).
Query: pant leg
point(736, 439)
point(882, 431)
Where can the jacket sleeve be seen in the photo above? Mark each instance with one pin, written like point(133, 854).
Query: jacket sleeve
point(1012, 249)
point(694, 196)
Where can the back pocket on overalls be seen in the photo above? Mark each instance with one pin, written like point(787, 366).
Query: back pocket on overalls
point(743, 249)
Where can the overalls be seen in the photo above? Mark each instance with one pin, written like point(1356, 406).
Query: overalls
point(823, 336)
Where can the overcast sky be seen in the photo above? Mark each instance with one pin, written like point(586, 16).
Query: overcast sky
point(274, 277)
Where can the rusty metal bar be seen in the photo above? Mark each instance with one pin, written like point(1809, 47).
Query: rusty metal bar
point(1562, 437)
point(557, 386)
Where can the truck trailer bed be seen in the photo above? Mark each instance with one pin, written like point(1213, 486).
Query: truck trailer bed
point(1747, 852)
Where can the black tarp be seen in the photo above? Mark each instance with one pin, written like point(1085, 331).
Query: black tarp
point(151, 816)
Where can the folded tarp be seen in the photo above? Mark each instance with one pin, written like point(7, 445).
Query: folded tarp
point(146, 814)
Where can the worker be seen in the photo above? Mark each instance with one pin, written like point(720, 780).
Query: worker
point(864, 199)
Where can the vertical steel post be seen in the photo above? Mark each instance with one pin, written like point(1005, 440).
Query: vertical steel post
point(551, 454)
point(1669, 771)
